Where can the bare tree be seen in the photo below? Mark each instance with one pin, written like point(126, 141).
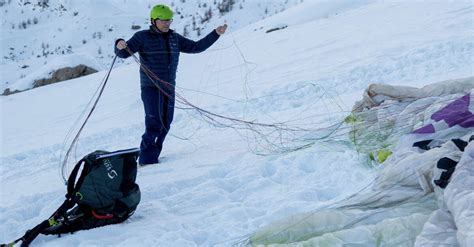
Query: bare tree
point(207, 15)
point(185, 31)
point(225, 6)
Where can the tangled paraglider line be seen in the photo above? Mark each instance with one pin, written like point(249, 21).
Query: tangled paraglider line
point(281, 137)
point(94, 100)
point(277, 136)
point(219, 120)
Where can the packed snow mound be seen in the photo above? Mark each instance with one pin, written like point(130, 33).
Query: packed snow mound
point(424, 189)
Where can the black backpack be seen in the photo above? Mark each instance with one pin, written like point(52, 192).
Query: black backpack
point(105, 193)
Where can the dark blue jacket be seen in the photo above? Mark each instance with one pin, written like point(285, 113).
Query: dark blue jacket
point(160, 51)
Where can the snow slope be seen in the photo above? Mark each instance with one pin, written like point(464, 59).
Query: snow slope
point(213, 188)
point(34, 35)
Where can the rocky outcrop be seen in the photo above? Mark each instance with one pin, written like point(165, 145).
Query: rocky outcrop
point(65, 74)
point(8, 91)
point(62, 74)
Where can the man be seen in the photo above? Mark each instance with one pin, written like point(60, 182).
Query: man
point(159, 49)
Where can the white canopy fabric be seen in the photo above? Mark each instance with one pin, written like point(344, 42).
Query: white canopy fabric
point(452, 223)
point(375, 94)
point(403, 206)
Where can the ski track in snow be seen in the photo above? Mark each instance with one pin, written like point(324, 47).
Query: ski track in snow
point(212, 189)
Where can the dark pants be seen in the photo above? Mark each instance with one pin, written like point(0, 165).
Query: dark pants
point(159, 110)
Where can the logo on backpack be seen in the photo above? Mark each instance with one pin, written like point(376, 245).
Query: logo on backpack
point(110, 169)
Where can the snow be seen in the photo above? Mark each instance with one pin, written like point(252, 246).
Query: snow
point(58, 62)
point(215, 186)
point(33, 35)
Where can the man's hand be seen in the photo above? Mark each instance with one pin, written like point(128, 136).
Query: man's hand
point(221, 29)
point(121, 44)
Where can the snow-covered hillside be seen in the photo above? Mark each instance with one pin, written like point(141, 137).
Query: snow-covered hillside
point(37, 34)
point(215, 186)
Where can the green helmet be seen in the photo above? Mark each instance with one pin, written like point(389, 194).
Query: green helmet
point(161, 12)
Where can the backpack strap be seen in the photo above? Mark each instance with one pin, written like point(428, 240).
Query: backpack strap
point(71, 182)
point(31, 234)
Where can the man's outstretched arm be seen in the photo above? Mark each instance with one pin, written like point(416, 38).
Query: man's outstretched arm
point(190, 46)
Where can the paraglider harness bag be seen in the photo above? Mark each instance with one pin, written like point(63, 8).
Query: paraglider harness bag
point(104, 193)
